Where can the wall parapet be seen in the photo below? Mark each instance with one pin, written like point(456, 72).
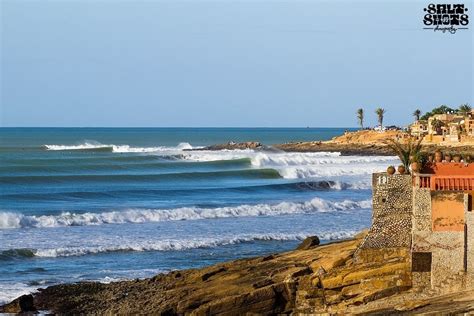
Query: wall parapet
point(444, 183)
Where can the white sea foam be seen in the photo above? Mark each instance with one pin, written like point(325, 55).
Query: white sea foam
point(90, 145)
point(10, 291)
point(290, 165)
point(15, 220)
point(302, 165)
point(85, 145)
point(186, 244)
point(128, 149)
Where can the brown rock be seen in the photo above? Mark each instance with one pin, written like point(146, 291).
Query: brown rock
point(22, 304)
point(232, 146)
point(308, 243)
point(211, 273)
point(262, 283)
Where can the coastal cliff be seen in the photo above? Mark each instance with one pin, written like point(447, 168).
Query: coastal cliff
point(312, 279)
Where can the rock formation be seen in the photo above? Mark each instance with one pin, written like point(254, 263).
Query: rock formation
point(318, 279)
point(233, 146)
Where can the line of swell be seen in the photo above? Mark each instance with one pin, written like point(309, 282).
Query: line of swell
point(95, 146)
point(16, 220)
point(166, 245)
point(295, 186)
point(75, 166)
point(41, 179)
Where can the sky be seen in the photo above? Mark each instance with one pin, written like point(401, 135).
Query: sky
point(262, 63)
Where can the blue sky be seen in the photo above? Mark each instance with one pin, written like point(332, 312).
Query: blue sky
point(225, 63)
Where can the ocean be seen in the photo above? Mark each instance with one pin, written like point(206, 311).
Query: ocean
point(107, 204)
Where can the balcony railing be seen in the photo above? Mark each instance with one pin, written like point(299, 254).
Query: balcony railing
point(444, 183)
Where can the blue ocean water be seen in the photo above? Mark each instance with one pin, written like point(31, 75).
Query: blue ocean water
point(121, 203)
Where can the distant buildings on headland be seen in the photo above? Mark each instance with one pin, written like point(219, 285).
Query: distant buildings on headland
point(450, 127)
point(441, 125)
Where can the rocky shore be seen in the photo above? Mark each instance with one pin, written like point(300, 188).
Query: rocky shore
point(312, 279)
point(359, 143)
point(232, 146)
point(344, 149)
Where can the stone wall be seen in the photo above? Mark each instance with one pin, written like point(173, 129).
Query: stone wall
point(438, 238)
point(470, 241)
point(392, 213)
point(435, 227)
point(421, 221)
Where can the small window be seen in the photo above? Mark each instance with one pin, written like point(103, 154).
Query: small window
point(421, 262)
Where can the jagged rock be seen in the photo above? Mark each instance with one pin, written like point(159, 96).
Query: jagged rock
point(262, 283)
point(22, 304)
point(308, 243)
point(232, 146)
point(269, 257)
point(410, 305)
point(211, 273)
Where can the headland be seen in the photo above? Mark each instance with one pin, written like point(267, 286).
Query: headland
point(359, 143)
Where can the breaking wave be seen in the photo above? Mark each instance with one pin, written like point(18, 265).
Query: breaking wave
point(95, 146)
point(290, 165)
point(15, 220)
point(170, 244)
point(301, 165)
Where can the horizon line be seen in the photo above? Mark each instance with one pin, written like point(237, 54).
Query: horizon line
point(240, 127)
point(237, 127)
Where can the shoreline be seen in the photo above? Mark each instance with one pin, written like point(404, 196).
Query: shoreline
point(355, 143)
point(287, 282)
point(355, 149)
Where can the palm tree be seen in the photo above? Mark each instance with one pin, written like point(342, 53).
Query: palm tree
point(380, 112)
point(465, 109)
point(417, 114)
point(360, 117)
point(407, 152)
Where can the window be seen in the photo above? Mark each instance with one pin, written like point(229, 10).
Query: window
point(421, 262)
point(469, 203)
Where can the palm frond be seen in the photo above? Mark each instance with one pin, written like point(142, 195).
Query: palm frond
point(404, 151)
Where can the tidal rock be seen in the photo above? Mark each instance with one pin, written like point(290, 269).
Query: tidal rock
point(212, 273)
point(308, 243)
point(20, 305)
point(232, 146)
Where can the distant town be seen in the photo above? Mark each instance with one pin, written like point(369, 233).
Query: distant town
point(442, 125)
point(445, 125)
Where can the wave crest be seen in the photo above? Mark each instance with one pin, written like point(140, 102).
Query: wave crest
point(15, 220)
point(175, 244)
point(291, 165)
point(92, 145)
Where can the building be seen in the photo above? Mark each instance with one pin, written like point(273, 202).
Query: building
point(430, 216)
point(419, 128)
point(445, 128)
point(443, 224)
